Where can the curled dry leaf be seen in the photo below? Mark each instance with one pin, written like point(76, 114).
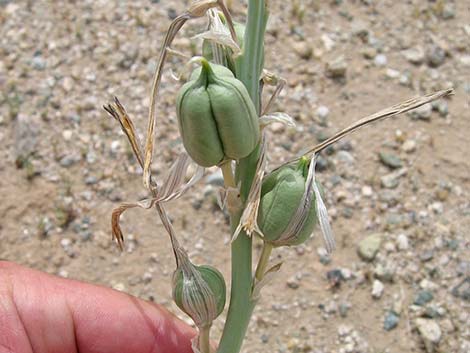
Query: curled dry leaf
point(175, 27)
point(173, 187)
point(389, 112)
point(117, 111)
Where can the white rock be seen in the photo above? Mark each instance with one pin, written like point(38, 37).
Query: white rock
point(344, 330)
point(402, 242)
point(437, 207)
point(391, 73)
point(409, 146)
point(327, 42)
point(115, 146)
point(380, 60)
point(322, 112)
point(429, 331)
point(415, 55)
point(67, 135)
point(367, 191)
point(377, 289)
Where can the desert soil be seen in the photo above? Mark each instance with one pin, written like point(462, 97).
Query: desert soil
point(405, 182)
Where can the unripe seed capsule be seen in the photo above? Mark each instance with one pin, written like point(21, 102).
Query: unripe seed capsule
point(216, 117)
point(281, 197)
point(200, 292)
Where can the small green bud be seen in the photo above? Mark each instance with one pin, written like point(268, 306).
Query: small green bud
point(200, 292)
point(216, 117)
point(208, 46)
point(232, 63)
point(281, 197)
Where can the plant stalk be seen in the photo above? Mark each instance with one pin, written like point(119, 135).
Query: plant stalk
point(263, 261)
point(204, 339)
point(241, 302)
point(227, 173)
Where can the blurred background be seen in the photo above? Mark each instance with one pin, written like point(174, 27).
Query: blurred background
point(397, 191)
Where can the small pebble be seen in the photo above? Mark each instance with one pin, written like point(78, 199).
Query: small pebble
point(435, 56)
point(389, 181)
point(380, 60)
point(322, 112)
point(462, 290)
point(390, 160)
point(367, 191)
point(391, 320)
point(402, 242)
point(369, 247)
point(303, 50)
point(409, 146)
point(377, 289)
point(415, 56)
point(423, 297)
point(430, 333)
point(337, 68)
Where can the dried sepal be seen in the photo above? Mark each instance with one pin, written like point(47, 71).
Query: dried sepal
point(272, 80)
point(220, 36)
point(249, 219)
point(277, 117)
point(323, 219)
point(198, 8)
point(186, 70)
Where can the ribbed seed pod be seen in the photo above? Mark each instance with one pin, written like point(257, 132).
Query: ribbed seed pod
point(281, 197)
point(200, 292)
point(216, 117)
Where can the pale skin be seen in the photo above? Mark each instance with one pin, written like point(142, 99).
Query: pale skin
point(41, 313)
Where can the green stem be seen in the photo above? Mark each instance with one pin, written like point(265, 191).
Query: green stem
point(251, 62)
point(263, 261)
point(227, 173)
point(241, 307)
point(204, 339)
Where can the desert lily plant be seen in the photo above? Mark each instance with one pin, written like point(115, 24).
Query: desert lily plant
point(221, 118)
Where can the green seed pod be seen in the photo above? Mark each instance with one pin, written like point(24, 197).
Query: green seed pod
point(216, 117)
point(200, 292)
point(281, 197)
